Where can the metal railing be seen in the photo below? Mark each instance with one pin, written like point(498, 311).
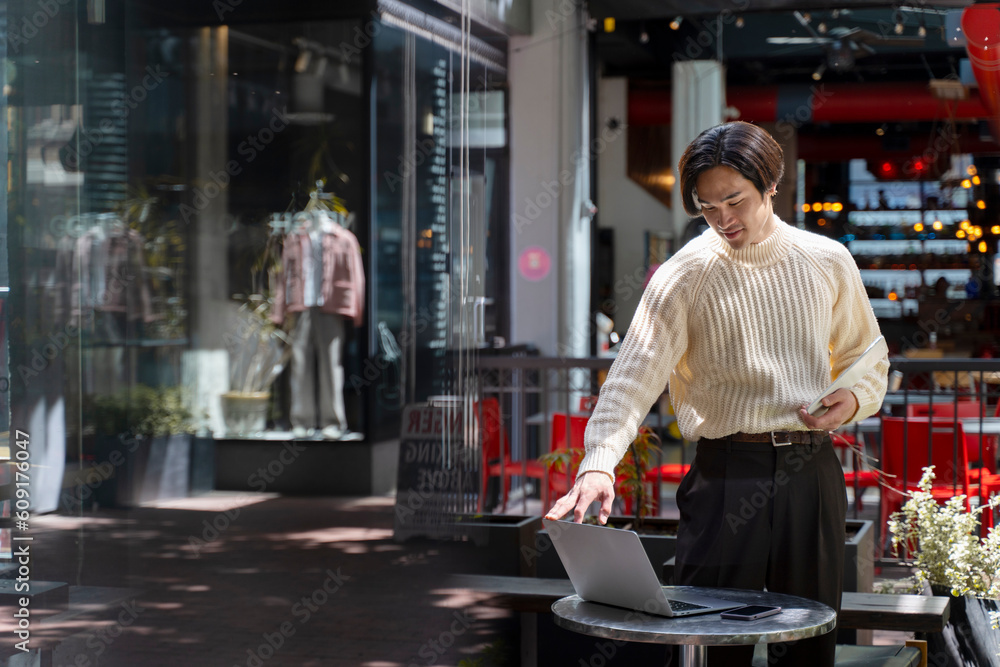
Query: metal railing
point(530, 390)
point(964, 394)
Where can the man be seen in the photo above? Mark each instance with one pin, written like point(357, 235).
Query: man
point(745, 323)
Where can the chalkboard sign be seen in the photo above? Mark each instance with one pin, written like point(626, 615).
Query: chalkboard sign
point(437, 481)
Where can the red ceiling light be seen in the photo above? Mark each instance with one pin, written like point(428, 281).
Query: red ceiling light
point(981, 24)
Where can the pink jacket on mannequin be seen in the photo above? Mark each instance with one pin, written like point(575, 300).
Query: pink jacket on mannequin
point(343, 282)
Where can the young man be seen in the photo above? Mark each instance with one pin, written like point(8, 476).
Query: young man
point(745, 323)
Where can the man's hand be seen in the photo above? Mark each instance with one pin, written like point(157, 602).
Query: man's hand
point(842, 405)
point(589, 486)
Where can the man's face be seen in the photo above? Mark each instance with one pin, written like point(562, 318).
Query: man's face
point(733, 207)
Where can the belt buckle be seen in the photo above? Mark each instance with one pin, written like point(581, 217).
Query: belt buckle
point(784, 435)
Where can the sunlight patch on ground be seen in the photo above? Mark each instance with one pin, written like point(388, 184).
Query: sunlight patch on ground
point(334, 535)
point(217, 501)
point(463, 598)
point(63, 522)
point(370, 501)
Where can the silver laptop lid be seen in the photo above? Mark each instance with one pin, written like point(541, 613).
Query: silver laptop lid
point(608, 565)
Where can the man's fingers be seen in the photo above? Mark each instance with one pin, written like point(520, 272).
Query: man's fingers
point(562, 506)
point(606, 508)
point(582, 503)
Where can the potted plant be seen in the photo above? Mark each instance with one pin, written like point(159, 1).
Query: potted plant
point(941, 543)
point(258, 352)
point(141, 449)
point(658, 535)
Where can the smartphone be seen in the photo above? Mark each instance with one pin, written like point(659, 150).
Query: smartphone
point(751, 612)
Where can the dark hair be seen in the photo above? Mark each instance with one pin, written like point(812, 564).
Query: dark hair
point(739, 145)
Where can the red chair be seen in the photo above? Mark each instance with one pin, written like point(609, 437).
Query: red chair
point(497, 461)
point(855, 477)
point(963, 409)
point(929, 442)
point(667, 473)
point(560, 481)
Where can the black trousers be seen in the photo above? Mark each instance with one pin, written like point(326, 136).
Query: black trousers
point(757, 516)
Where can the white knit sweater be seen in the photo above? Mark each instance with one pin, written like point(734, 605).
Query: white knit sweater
point(743, 337)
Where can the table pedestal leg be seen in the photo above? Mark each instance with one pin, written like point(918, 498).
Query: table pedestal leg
point(694, 656)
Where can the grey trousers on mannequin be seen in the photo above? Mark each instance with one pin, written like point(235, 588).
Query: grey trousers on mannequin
point(316, 351)
point(757, 516)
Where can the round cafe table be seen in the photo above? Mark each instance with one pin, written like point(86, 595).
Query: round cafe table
point(799, 619)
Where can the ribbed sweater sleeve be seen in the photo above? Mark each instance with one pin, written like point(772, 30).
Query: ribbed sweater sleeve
point(651, 348)
point(743, 337)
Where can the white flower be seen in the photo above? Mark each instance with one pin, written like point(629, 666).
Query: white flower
point(942, 539)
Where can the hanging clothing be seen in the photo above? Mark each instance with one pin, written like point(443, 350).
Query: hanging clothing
point(340, 274)
point(317, 342)
point(111, 272)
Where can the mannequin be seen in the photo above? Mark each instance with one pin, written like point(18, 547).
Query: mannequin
point(321, 280)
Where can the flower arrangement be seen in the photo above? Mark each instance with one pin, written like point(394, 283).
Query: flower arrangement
point(943, 540)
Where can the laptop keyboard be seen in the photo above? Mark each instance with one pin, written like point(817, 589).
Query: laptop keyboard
point(680, 605)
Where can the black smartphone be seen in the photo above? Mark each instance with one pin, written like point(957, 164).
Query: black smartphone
point(750, 612)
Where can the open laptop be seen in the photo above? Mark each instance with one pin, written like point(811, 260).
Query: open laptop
point(609, 565)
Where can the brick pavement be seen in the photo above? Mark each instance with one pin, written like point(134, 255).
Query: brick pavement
point(286, 581)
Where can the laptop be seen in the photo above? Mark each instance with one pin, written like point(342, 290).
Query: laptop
point(609, 565)
point(852, 374)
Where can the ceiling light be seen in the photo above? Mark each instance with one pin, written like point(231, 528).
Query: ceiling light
point(676, 23)
point(740, 22)
point(818, 73)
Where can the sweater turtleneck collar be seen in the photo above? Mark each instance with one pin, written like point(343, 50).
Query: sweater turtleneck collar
point(765, 253)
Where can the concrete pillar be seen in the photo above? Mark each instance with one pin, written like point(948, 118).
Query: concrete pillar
point(698, 98)
point(205, 367)
point(550, 182)
point(625, 206)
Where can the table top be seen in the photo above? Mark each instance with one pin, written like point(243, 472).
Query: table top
point(799, 618)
